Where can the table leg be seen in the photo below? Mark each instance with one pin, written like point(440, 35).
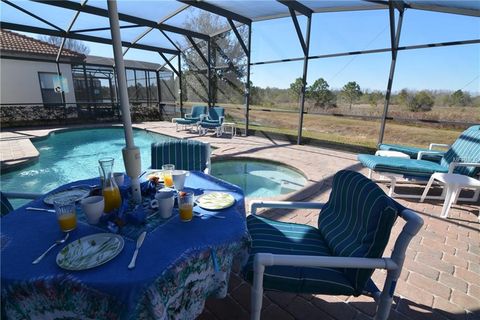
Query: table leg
point(451, 193)
point(392, 186)
point(427, 187)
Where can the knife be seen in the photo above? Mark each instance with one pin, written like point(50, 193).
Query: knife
point(39, 209)
point(139, 244)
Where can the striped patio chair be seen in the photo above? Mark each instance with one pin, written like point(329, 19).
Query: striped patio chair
point(191, 119)
point(463, 157)
point(214, 121)
point(425, 153)
point(184, 154)
point(338, 257)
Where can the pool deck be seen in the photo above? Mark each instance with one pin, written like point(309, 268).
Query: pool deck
point(441, 275)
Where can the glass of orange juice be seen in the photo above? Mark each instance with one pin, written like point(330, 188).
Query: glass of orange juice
point(185, 206)
point(167, 170)
point(66, 214)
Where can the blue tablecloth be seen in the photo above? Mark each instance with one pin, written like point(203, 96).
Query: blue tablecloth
point(174, 274)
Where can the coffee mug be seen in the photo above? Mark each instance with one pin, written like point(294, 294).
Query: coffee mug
point(164, 201)
point(93, 208)
point(179, 177)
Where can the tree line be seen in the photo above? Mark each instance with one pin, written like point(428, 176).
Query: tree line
point(319, 96)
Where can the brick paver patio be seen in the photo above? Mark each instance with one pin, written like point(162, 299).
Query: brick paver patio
point(441, 276)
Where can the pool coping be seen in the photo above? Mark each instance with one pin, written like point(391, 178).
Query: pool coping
point(252, 147)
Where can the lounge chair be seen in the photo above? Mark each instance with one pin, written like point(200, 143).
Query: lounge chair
point(338, 257)
point(184, 154)
point(191, 119)
point(214, 121)
point(463, 157)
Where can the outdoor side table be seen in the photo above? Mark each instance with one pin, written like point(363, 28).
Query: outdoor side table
point(453, 183)
point(391, 176)
point(230, 128)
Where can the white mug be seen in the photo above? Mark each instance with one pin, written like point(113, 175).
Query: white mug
point(163, 201)
point(93, 208)
point(179, 177)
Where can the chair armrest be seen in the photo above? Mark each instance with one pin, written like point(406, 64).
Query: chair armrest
point(22, 195)
point(269, 259)
point(453, 165)
point(256, 204)
point(438, 145)
point(221, 119)
point(433, 152)
point(187, 115)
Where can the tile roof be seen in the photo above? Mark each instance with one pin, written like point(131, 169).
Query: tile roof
point(13, 42)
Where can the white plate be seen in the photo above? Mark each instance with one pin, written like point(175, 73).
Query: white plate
point(155, 173)
point(90, 251)
point(73, 194)
point(215, 200)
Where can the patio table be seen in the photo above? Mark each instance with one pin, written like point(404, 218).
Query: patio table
point(179, 265)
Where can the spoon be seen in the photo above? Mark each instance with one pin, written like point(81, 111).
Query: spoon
point(57, 242)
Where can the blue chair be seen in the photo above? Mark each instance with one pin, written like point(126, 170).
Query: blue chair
point(191, 119)
point(463, 157)
point(338, 257)
point(5, 205)
point(214, 121)
point(184, 154)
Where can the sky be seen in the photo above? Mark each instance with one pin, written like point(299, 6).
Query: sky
point(444, 68)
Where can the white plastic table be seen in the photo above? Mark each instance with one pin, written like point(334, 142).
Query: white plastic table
point(453, 183)
point(231, 126)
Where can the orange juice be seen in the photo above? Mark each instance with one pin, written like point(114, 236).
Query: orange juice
point(186, 212)
point(168, 180)
point(67, 221)
point(112, 198)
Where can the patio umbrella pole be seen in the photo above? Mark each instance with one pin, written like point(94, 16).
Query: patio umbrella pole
point(131, 153)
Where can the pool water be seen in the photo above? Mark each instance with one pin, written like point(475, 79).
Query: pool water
point(259, 179)
point(73, 155)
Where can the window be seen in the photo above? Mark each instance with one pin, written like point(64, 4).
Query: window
point(47, 86)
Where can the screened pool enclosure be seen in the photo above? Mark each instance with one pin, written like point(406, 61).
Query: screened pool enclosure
point(207, 45)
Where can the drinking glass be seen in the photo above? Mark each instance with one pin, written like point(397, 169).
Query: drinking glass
point(185, 206)
point(66, 214)
point(167, 174)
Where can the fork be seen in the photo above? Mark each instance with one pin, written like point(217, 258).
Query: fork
point(207, 215)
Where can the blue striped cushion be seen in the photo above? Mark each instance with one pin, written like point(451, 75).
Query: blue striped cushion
point(5, 205)
point(465, 149)
point(184, 154)
point(215, 113)
point(412, 151)
point(187, 121)
point(194, 117)
point(356, 221)
point(409, 167)
point(295, 239)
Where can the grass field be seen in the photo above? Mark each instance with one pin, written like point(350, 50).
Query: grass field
point(346, 130)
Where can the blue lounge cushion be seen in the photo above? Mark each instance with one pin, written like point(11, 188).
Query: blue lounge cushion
point(356, 221)
point(295, 239)
point(184, 154)
point(408, 167)
point(412, 152)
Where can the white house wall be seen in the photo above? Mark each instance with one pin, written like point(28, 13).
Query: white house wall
point(20, 83)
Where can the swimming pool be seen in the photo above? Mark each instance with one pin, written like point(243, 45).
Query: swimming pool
point(73, 155)
point(259, 179)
